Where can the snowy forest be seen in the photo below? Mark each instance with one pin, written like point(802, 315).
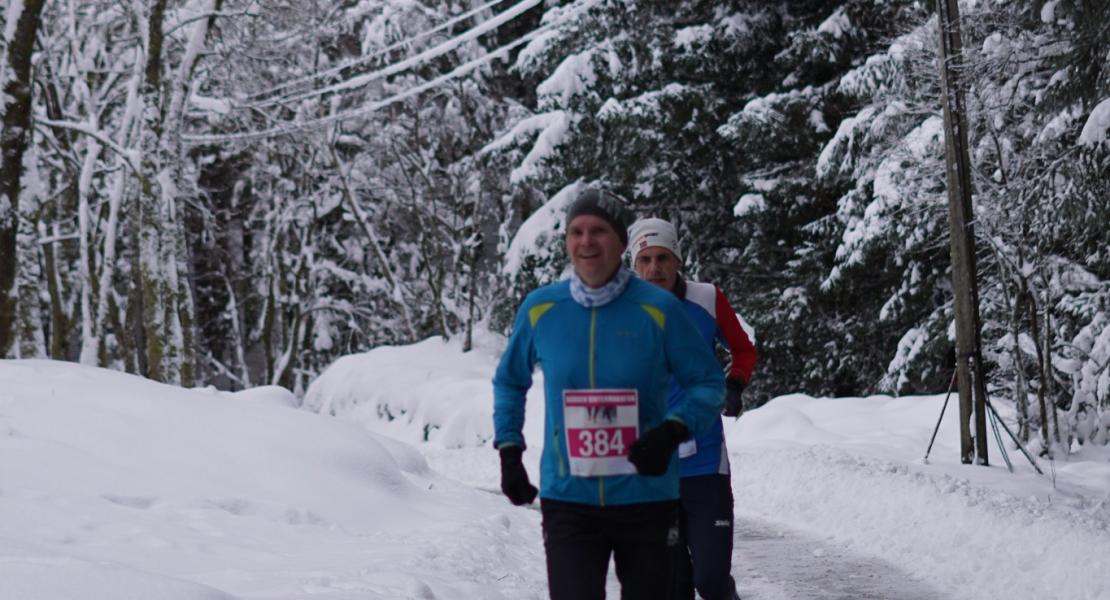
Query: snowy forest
point(239, 192)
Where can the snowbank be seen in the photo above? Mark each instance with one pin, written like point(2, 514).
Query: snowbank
point(426, 392)
point(115, 487)
point(851, 469)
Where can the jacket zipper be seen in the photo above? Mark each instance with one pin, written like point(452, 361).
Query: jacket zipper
point(593, 335)
point(593, 385)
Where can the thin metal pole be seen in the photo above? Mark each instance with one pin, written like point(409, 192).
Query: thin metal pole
point(951, 384)
point(990, 407)
point(993, 418)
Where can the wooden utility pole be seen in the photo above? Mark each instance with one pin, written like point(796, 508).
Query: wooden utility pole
point(969, 357)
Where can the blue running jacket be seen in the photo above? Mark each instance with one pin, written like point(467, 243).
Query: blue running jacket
point(639, 340)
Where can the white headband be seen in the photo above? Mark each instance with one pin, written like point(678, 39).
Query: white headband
point(646, 233)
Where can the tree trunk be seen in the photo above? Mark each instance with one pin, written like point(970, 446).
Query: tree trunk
point(151, 274)
point(236, 279)
point(1021, 398)
point(239, 340)
point(173, 157)
point(1048, 369)
point(124, 335)
point(1013, 305)
point(186, 309)
point(283, 371)
point(1035, 328)
point(268, 320)
point(272, 335)
point(136, 328)
point(106, 312)
point(90, 336)
point(472, 283)
point(15, 83)
point(59, 322)
point(32, 342)
point(168, 304)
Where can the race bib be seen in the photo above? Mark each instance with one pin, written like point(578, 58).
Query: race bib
point(601, 426)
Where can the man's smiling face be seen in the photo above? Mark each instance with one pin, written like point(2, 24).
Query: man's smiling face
point(594, 248)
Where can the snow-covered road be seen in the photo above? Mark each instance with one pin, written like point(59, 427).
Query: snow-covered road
point(771, 562)
point(774, 562)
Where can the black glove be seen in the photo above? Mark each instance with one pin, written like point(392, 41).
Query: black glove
point(733, 404)
point(651, 454)
point(514, 479)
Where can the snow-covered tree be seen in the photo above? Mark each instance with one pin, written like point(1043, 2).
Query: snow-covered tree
point(291, 181)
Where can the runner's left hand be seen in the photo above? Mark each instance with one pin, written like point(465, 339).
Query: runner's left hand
point(651, 454)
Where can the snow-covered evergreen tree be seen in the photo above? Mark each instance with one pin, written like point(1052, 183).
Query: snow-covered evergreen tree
point(309, 180)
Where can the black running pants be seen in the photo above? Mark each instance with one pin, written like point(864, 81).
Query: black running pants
point(579, 538)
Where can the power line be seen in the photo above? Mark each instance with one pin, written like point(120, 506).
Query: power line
point(368, 58)
point(374, 106)
point(436, 51)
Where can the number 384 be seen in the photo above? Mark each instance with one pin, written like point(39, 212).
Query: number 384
point(601, 442)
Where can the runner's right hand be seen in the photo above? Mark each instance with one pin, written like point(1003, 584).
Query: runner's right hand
point(514, 479)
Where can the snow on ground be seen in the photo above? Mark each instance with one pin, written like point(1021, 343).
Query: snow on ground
point(849, 470)
point(432, 395)
point(115, 487)
point(772, 562)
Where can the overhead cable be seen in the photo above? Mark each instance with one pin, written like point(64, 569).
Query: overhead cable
point(375, 54)
point(457, 72)
point(434, 52)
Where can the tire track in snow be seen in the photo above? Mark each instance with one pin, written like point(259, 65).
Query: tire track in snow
point(772, 562)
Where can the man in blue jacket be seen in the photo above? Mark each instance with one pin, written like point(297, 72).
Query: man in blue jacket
point(608, 344)
point(703, 558)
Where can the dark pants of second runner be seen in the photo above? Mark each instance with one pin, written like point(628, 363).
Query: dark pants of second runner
point(579, 538)
point(703, 557)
